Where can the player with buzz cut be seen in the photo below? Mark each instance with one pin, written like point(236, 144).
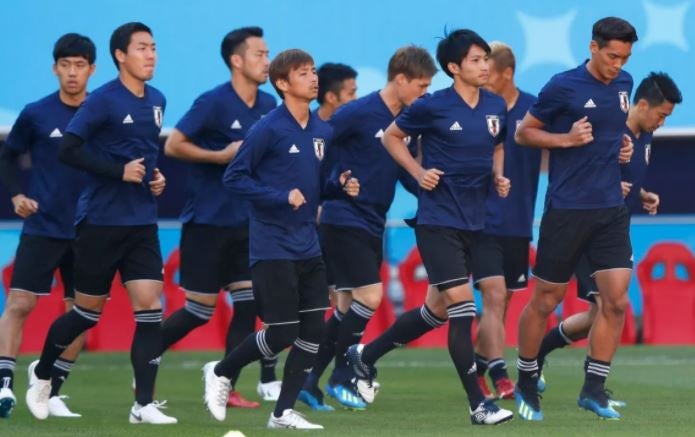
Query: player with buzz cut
point(48, 209)
point(653, 102)
point(215, 236)
point(580, 116)
point(114, 138)
point(337, 86)
point(500, 255)
point(463, 129)
point(278, 169)
point(352, 229)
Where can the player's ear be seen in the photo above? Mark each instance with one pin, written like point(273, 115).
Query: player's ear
point(593, 47)
point(453, 68)
point(236, 60)
point(120, 56)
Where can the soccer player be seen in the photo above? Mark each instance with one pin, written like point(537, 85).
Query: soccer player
point(654, 100)
point(215, 236)
point(48, 209)
point(352, 229)
point(580, 116)
point(114, 137)
point(500, 255)
point(278, 170)
point(337, 86)
point(462, 130)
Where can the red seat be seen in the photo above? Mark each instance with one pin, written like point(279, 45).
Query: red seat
point(669, 301)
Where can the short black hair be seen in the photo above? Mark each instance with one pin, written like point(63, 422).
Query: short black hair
point(233, 42)
point(120, 38)
point(74, 44)
point(331, 78)
point(456, 45)
point(284, 63)
point(612, 28)
point(657, 88)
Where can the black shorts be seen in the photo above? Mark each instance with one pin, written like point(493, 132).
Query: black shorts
point(213, 257)
point(446, 254)
point(36, 261)
point(495, 256)
point(283, 289)
point(353, 254)
point(101, 251)
point(603, 235)
point(586, 286)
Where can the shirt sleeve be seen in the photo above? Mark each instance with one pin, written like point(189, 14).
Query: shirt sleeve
point(196, 120)
point(415, 119)
point(21, 136)
point(551, 101)
point(91, 115)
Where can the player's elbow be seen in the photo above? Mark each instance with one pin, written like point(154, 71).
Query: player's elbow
point(521, 136)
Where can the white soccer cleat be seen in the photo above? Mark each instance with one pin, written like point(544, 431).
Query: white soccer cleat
point(30, 372)
point(37, 395)
point(216, 391)
point(291, 419)
point(7, 402)
point(270, 391)
point(58, 408)
point(150, 413)
point(488, 413)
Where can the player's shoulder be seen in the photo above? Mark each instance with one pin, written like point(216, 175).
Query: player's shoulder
point(526, 98)
point(266, 99)
point(492, 99)
point(624, 77)
point(154, 93)
point(41, 105)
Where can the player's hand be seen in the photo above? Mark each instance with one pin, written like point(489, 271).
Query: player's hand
point(626, 187)
point(650, 202)
point(228, 153)
point(157, 183)
point(134, 171)
point(429, 179)
point(296, 199)
point(581, 132)
point(627, 148)
point(350, 185)
point(24, 206)
point(503, 185)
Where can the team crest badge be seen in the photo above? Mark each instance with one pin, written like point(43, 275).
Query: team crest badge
point(158, 115)
point(624, 101)
point(493, 124)
point(647, 153)
point(319, 145)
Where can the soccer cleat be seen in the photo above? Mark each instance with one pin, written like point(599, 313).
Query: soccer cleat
point(37, 394)
point(216, 391)
point(528, 403)
point(7, 402)
point(347, 396)
point(488, 413)
point(598, 403)
point(269, 391)
point(150, 413)
point(541, 383)
point(235, 400)
point(58, 408)
point(504, 388)
point(614, 402)
point(482, 383)
point(291, 419)
point(314, 402)
point(366, 384)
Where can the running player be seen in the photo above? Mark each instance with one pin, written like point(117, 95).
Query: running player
point(337, 86)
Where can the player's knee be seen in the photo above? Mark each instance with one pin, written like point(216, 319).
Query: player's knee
point(280, 337)
point(311, 326)
point(370, 297)
point(545, 303)
point(19, 308)
point(615, 307)
point(494, 302)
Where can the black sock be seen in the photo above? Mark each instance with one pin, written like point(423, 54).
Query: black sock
point(247, 352)
point(64, 330)
point(461, 317)
point(326, 350)
point(480, 364)
point(498, 369)
point(554, 339)
point(243, 323)
point(350, 331)
point(7, 365)
point(145, 353)
point(528, 372)
point(59, 373)
point(595, 375)
point(299, 360)
point(183, 321)
point(408, 327)
point(268, 369)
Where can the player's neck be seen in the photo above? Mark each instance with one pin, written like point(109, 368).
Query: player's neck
point(325, 112)
point(246, 89)
point(299, 109)
point(633, 124)
point(132, 84)
point(510, 94)
point(469, 93)
point(390, 97)
point(591, 68)
point(72, 99)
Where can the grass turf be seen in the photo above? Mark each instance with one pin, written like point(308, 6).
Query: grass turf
point(421, 396)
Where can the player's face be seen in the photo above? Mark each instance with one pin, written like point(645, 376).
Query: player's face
point(303, 83)
point(496, 80)
point(141, 57)
point(348, 91)
point(654, 116)
point(474, 69)
point(255, 60)
point(610, 59)
point(409, 90)
point(73, 72)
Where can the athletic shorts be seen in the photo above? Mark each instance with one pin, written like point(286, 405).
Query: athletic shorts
point(213, 257)
point(603, 235)
point(586, 286)
point(353, 254)
point(446, 254)
point(284, 288)
point(101, 251)
point(507, 257)
point(36, 261)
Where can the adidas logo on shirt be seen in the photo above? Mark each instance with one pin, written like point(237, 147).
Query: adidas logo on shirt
point(379, 134)
point(56, 133)
point(456, 126)
point(590, 104)
point(294, 149)
point(235, 125)
point(128, 119)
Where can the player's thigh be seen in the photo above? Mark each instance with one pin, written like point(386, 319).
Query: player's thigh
point(141, 267)
point(445, 254)
point(563, 237)
point(586, 286)
point(201, 258)
point(276, 287)
point(516, 262)
point(312, 286)
point(355, 256)
point(35, 263)
point(98, 252)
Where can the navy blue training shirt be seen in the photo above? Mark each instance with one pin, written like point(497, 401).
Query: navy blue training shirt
point(512, 216)
point(585, 177)
point(277, 156)
point(55, 186)
point(635, 171)
point(217, 118)
point(119, 127)
point(460, 141)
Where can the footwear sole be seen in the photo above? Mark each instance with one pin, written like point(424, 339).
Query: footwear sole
point(6, 407)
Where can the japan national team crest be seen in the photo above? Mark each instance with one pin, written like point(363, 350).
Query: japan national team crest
point(158, 115)
point(493, 124)
point(647, 153)
point(319, 145)
point(624, 101)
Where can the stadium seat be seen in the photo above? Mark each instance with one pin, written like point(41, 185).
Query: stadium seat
point(669, 301)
